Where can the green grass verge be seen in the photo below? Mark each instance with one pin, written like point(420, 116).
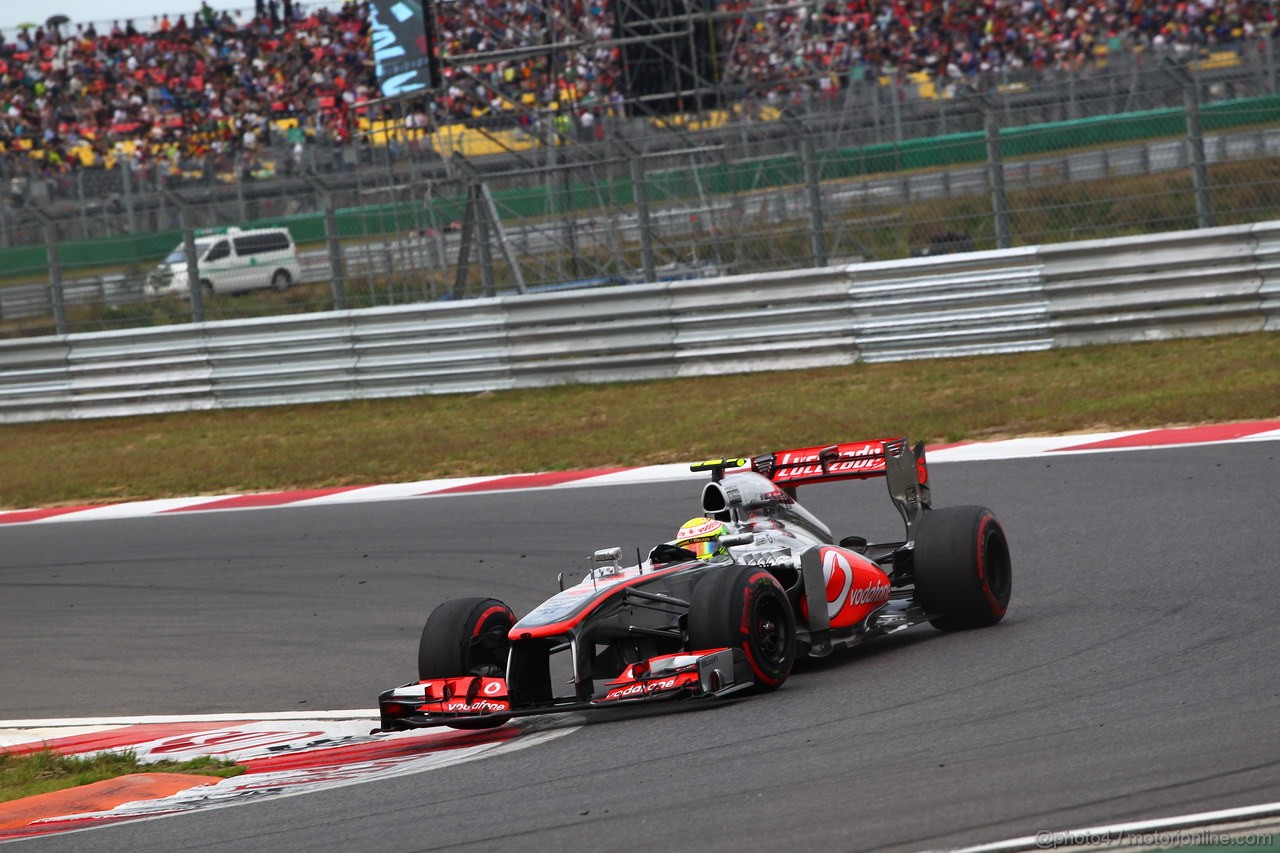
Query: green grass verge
point(1195, 380)
point(45, 771)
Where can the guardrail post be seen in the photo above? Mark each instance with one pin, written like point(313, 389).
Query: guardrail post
point(187, 217)
point(813, 190)
point(56, 296)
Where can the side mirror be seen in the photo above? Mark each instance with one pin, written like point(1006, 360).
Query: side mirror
point(855, 543)
point(606, 555)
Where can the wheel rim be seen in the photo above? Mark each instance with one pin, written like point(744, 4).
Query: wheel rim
point(769, 630)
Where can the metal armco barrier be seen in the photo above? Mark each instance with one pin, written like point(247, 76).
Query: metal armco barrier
point(1204, 282)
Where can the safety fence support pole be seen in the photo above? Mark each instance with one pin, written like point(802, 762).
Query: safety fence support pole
point(186, 216)
point(1199, 166)
point(126, 182)
point(56, 297)
point(813, 190)
point(995, 173)
point(333, 247)
point(640, 191)
point(1195, 138)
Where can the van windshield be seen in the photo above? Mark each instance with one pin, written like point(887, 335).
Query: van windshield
point(179, 255)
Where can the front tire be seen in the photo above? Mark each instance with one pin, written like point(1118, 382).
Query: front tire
point(963, 572)
point(280, 280)
point(744, 607)
point(466, 636)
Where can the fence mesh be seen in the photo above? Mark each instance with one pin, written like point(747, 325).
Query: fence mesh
point(871, 169)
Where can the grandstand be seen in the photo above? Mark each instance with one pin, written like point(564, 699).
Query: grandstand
point(214, 92)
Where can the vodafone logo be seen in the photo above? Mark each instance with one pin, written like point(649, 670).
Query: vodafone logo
point(870, 595)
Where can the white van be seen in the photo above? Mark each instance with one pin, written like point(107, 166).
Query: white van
point(231, 262)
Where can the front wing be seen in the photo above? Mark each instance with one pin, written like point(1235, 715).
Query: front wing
point(478, 700)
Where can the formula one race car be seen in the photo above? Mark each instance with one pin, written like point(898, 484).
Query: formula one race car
point(726, 607)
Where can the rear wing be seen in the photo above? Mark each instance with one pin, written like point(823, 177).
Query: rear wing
point(903, 466)
point(858, 460)
point(855, 460)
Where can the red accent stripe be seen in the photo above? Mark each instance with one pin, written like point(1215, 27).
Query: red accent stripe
point(1180, 435)
point(115, 738)
point(527, 481)
point(269, 499)
point(38, 514)
point(400, 747)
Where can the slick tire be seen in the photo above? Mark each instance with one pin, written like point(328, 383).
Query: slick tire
point(963, 572)
point(466, 636)
point(744, 607)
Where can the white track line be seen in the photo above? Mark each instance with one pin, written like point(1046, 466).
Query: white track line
point(190, 718)
point(1113, 832)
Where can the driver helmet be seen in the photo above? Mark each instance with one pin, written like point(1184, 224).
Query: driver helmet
point(701, 535)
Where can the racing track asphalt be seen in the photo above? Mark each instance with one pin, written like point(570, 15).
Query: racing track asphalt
point(1135, 676)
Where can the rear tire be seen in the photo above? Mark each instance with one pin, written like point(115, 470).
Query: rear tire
point(466, 636)
point(963, 572)
point(744, 607)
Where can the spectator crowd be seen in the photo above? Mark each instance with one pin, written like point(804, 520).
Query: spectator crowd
point(216, 84)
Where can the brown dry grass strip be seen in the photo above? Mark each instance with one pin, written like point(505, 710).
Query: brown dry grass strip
point(1190, 381)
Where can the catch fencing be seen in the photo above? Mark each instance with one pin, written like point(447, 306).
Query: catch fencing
point(877, 170)
point(1203, 282)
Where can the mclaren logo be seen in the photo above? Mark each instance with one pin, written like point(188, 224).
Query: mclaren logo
point(838, 574)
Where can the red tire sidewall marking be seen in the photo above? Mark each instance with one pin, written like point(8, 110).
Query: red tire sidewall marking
point(983, 531)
